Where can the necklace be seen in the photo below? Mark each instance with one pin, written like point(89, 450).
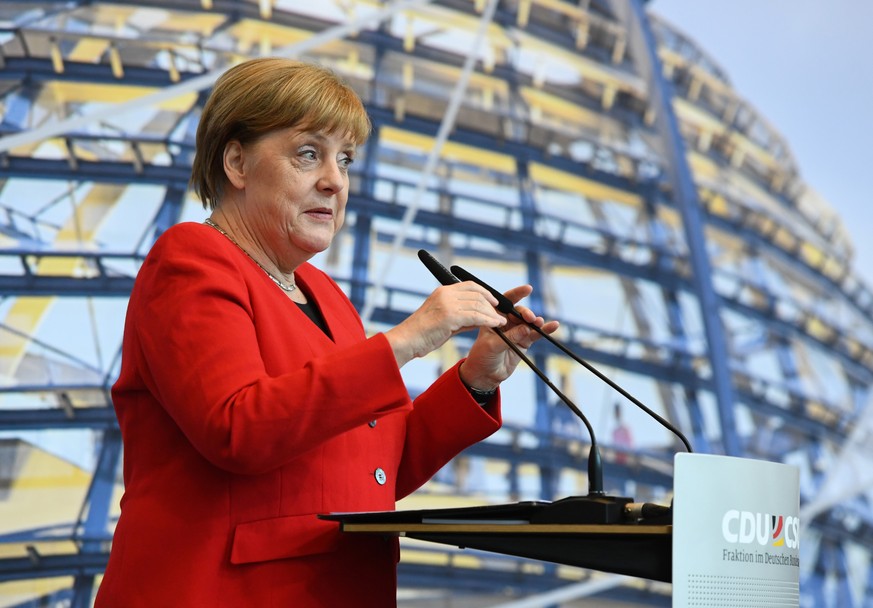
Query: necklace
point(289, 287)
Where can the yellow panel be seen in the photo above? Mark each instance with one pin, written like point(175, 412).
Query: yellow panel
point(87, 92)
point(561, 180)
point(669, 216)
point(669, 57)
point(15, 593)
point(784, 239)
point(819, 330)
point(811, 254)
point(533, 568)
point(527, 469)
point(571, 573)
point(90, 214)
point(422, 500)
point(587, 68)
point(26, 313)
point(444, 19)
point(765, 224)
point(466, 560)
point(694, 114)
point(439, 558)
point(57, 547)
point(425, 557)
point(203, 23)
point(114, 16)
point(833, 269)
point(46, 491)
point(719, 206)
point(88, 50)
point(24, 316)
point(854, 347)
point(250, 31)
point(561, 108)
point(496, 467)
point(672, 58)
point(749, 147)
point(453, 73)
point(711, 81)
point(701, 166)
point(563, 7)
point(450, 151)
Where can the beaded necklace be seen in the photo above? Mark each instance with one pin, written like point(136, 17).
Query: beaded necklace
point(287, 287)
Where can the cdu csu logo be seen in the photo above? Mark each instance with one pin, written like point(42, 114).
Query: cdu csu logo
point(747, 528)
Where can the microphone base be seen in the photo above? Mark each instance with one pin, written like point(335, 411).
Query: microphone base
point(591, 509)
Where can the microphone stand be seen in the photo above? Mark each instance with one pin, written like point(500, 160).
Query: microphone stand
point(506, 307)
point(596, 507)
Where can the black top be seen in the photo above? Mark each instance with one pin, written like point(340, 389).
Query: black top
point(311, 311)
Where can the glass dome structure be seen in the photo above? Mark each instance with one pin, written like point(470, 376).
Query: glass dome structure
point(585, 147)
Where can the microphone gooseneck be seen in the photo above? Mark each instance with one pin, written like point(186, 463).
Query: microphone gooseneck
point(595, 466)
point(505, 306)
point(596, 507)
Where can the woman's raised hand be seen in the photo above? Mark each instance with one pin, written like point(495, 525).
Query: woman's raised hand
point(452, 309)
point(449, 310)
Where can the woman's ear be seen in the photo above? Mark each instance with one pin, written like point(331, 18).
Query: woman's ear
point(234, 167)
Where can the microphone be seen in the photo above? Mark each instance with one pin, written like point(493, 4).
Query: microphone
point(596, 507)
point(439, 271)
point(647, 511)
point(505, 306)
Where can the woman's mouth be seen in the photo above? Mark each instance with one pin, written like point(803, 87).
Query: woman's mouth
point(321, 213)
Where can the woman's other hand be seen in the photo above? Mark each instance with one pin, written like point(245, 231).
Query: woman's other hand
point(491, 361)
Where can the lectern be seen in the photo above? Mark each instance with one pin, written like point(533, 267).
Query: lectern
point(733, 539)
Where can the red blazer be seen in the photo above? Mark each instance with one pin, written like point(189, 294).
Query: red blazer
point(242, 421)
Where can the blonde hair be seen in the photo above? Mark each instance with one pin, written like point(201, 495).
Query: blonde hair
point(263, 95)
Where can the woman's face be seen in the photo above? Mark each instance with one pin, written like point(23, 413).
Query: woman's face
point(294, 186)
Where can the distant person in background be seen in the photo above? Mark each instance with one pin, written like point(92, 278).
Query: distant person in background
point(622, 438)
point(250, 399)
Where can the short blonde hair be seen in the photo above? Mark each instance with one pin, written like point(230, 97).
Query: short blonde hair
point(263, 95)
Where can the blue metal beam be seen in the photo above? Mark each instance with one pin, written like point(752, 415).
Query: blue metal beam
point(37, 565)
point(105, 282)
point(363, 227)
point(644, 49)
point(38, 71)
point(38, 285)
point(108, 172)
point(101, 417)
point(94, 516)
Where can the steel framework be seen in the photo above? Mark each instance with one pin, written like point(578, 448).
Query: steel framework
point(592, 150)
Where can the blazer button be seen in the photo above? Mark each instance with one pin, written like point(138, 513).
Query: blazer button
point(380, 476)
point(372, 424)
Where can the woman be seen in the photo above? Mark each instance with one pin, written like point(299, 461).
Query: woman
point(250, 399)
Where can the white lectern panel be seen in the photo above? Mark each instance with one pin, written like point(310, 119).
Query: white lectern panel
point(735, 533)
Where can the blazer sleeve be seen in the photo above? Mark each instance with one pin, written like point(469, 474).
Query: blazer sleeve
point(444, 421)
point(197, 352)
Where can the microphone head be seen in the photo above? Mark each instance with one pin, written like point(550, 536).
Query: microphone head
point(439, 271)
